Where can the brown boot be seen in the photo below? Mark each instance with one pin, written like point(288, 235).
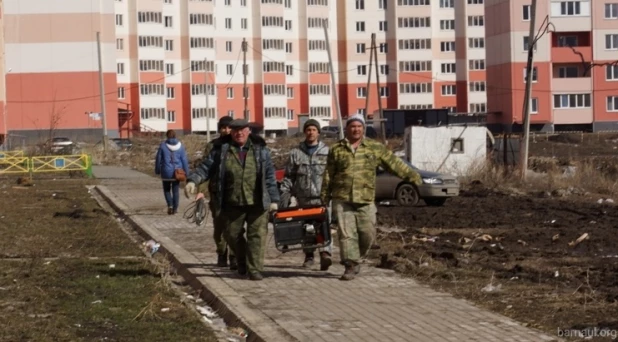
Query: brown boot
point(350, 271)
point(325, 261)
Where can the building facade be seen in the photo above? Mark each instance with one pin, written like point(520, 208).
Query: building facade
point(574, 72)
point(178, 64)
point(50, 67)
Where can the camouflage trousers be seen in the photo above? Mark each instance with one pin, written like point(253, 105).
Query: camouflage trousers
point(249, 251)
point(355, 228)
point(218, 222)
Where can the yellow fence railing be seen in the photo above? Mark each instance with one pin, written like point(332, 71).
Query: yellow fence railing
point(11, 154)
point(11, 165)
point(41, 164)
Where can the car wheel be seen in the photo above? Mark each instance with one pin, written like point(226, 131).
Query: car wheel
point(435, 202)
point(407, 195)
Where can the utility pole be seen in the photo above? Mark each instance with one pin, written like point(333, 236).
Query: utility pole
point(245, 91)
point(368, 91)
point(374, 50)
point(102, 93)
point(332, 78)
point(207, 95)
point(528, 92)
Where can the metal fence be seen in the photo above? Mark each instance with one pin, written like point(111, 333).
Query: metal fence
point(13, 162)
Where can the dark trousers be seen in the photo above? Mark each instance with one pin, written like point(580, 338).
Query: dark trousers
point(171, 192)
point(249, 251)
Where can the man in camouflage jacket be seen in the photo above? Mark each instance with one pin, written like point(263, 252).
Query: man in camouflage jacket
point(246, 190)
point(303, 180)
point(350, 182)
point(218, 220)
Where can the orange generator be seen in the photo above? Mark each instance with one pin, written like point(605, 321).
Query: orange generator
point(301, 227)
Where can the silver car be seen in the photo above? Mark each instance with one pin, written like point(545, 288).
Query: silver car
point(434, 191)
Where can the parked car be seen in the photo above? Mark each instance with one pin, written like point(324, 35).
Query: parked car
point(59, 145)
point(434, 191)
point(123, 143)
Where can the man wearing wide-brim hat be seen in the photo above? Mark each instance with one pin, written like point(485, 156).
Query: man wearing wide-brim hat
point(246, 192)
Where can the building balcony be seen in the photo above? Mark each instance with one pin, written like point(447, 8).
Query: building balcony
point(571, 85)
point(575, 54)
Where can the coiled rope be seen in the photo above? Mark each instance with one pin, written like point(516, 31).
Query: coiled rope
point(197, 212)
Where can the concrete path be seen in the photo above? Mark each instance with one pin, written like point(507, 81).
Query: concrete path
point(294, 304)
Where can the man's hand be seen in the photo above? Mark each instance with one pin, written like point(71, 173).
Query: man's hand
point(273, 207)
point(198, 196)
point(190, 188)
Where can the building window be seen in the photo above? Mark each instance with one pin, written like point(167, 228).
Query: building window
point(169, 45)
point(611, 11)
point(448, 68)
point(119, 20)
point(382, 4)
point(360, 4)
point(120, 68)
point(477, 64)
point(611, 72)
point(383, 26)
point(229, 69)
point(449, 90)
point(228, 46)
point(289, 70)
point(447, 46)
point(119, 44)
point(361, 92)
point(478, 107)
point(477, 86)
point(526, 13)
point(290, 93)
point(569, 8)
point(475, 2)
point(383, 47)
point(244, 23)
point(171, 94)
point(360, 26)
point(230, 113)
point(384, 69)
point(228, 23)
point(288, 25)
point(360, 48)
point(361, 70)
point(290, 114)
point(447, 3)
point(171, 116)
point(230, 93)
point(168, 21)
point(447, 25)
point(121, 93)
point(612, 103)
point(534, 74)
point(526, 45)
point(476, 43)
point(565, 41)
point(169, 68)
point(534, 105)
point(611, 41)
point(476, 20)
point(571, 101)
point(288, 47)
point(568, 72)
point(457, 145)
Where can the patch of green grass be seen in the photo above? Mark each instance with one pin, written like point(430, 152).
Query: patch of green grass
point(76, 295)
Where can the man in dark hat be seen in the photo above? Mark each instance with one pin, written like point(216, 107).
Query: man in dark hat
point(303, 180)
point(246, 191)
point(218, 220)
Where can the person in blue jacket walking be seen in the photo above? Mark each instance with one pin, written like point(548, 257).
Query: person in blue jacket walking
point(171, 156)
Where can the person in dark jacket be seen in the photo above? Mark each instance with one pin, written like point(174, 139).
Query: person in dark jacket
point(171, 156)
point(246, 191)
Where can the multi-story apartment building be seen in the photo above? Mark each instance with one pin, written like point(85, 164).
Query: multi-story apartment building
point(574, 74)
point(50, 78)
point(179, 63)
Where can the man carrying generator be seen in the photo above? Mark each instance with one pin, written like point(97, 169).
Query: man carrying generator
point(350, 182)
point(303, 180)
point(217, 219)
point(246, 191)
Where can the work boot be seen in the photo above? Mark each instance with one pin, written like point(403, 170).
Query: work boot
point(350, 271)
point(242, 268)
point(233, 264)
point(357, 269)
point(325, 261)
point(170, 211)
point(222, 260)
point(257, 276)
point(308, 260)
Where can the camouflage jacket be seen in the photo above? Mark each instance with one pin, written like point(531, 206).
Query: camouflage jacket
point(303, 173)
point(351, 176)
point(213, 167)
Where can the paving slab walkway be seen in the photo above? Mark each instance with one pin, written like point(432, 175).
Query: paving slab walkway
point(295, 304)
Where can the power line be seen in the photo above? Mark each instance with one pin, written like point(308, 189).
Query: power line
point(301, 70)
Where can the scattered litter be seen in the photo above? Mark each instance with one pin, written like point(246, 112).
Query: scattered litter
point(509, 307)
point(53, 195)
point(190, 297)
point(237, 332)
point(97, 302)
point(514, 278)
point(39, 315)
point(152, 246)
point(425, 238)
point(583, 237)
point(206, 311)
point(47, 263)
point(607, 200)
point(556, 274)
point(165, 309)
point(555, 237)
point(78, 325)
point(492, 288)
point(98, 276)
point(112, 265)
point(522, 242)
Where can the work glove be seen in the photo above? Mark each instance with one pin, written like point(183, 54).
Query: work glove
point(273, 207)
point(190, 188)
